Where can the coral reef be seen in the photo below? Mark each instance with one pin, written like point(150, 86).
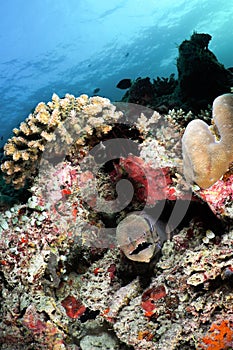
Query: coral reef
point(190, 287)
point(205, 159)
point(65, 281)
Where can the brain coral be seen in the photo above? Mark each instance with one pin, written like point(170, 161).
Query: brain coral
point(206, 159)
point(23, 151)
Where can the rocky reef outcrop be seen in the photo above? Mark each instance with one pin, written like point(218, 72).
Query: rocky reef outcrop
point(201, 78)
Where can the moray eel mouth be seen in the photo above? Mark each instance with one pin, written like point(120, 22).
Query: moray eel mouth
point(140, 248)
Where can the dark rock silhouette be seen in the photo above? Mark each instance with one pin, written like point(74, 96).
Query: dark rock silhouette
point(201, 78)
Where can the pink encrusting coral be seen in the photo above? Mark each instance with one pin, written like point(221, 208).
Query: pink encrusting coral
point(220, 197)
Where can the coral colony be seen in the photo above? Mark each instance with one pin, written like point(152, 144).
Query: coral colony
point(206, 164)
point(116, 219)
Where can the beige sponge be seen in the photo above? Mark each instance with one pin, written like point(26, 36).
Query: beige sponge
point(205, 158)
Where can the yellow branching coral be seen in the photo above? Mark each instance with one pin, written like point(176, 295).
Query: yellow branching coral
point(24, 149)
point(206, 159)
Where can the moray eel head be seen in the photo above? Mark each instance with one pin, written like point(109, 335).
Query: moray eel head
point(137, 238)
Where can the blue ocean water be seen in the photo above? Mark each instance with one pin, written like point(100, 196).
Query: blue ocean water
point(77, 46)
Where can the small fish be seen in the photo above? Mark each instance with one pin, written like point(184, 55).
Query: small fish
point(140, 237)
point(96, 90)
point(127, 54)
point(124, 84)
